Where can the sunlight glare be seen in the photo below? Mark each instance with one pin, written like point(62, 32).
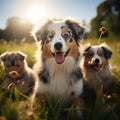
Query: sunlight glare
point(35, 13)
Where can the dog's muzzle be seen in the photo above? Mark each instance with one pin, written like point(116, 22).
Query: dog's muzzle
point(96, 66)
point(59, 55)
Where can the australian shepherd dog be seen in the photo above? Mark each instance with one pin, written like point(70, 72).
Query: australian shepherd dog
point(58, 59)
point(95, 66)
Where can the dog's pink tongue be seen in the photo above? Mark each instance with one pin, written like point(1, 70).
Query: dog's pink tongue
point(59, 58)
point(96, 68)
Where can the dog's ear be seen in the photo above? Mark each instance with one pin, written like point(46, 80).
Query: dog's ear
point(107, 53)
point(21, 55)
point(3, 56)
point(85, 48)
point(40, 33)
point(77, 29)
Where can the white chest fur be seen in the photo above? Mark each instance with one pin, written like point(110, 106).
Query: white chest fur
point(61, 83)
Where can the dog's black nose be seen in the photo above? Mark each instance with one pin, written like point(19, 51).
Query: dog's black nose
point(58, 46)
point(97, 60)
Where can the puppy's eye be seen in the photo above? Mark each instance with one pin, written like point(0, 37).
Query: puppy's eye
point(4, 59)
point(8, 65)
point(50, 37)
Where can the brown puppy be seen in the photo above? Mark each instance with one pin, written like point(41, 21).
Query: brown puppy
point(17, 72)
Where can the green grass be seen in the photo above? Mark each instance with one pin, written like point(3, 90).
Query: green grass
point(28, 49)
point(17, 106)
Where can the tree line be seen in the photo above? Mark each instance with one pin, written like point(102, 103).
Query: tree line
point(16, 29)
point(108, 15)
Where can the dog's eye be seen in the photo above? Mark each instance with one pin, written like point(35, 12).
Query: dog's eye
point(50, 37)
point(67, 36)
point(89, 55)
point(100, 54)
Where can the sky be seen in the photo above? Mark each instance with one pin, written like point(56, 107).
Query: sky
point(34, 10)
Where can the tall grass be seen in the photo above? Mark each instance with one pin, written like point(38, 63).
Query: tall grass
point(17, 107)
point(27, 48)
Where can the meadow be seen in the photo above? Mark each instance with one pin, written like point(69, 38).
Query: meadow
point(16, 105)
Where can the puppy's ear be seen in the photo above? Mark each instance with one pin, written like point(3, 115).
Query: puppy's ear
point(40, 33)
point(77, 29)
point(21, 55)
point(3, 56)
point(107, 53)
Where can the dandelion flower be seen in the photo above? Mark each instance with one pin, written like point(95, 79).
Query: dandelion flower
point(102, 31)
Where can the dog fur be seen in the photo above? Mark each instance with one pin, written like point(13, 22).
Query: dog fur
point(58, 59)
point(95, 66)
point(17, 72)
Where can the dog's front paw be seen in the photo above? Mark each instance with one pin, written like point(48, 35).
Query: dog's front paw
point(79, 106)
point(11, 86)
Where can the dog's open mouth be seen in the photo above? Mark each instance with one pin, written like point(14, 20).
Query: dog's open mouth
point(13, 74)
point(60, 56)
point(96, 67)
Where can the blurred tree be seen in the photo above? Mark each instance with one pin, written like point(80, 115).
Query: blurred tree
point(16, 29)
point(108, 15)
point(1, 34)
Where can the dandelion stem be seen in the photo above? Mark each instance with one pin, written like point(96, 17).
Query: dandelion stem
point(99, 38)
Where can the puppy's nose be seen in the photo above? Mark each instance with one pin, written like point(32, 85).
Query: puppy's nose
point(58, 46)
point(97, 60)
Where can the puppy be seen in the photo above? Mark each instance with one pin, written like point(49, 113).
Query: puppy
point(95, 67)
point(17, 72)
point(57, 61)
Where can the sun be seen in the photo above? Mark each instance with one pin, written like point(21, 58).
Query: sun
point(35, 13)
